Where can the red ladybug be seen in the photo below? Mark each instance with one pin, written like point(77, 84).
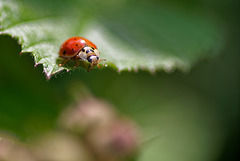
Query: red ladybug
point(76, 48)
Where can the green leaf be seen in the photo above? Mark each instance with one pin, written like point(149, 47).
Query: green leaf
point(148, 36)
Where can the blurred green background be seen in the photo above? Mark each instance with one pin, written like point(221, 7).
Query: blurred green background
point(190, 116)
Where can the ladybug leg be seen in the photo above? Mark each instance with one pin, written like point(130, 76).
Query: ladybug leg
point(76, 62)
point(63, 63)
point(100, 61)
point(90, 68)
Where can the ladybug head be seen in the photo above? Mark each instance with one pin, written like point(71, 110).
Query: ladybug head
point(91, 55)
point(93, 59)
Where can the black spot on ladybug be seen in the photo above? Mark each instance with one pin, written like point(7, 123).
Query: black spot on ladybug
point(72, 49)
point(64, 52)
point(76, 44)
point(66, 43)
point(75, 38)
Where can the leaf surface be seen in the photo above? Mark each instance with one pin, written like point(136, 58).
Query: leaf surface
point(146, 36)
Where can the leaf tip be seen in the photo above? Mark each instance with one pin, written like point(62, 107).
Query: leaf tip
point(48, 77)
point(36, 64)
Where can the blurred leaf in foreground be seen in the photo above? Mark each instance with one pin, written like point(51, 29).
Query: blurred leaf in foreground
point(148, 36)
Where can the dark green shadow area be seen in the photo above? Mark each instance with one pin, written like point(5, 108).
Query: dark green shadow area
point(28, 103)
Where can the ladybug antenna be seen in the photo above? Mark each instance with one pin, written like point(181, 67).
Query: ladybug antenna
point(102, 60)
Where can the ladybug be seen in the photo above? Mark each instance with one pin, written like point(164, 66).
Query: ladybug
point(76, 48)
